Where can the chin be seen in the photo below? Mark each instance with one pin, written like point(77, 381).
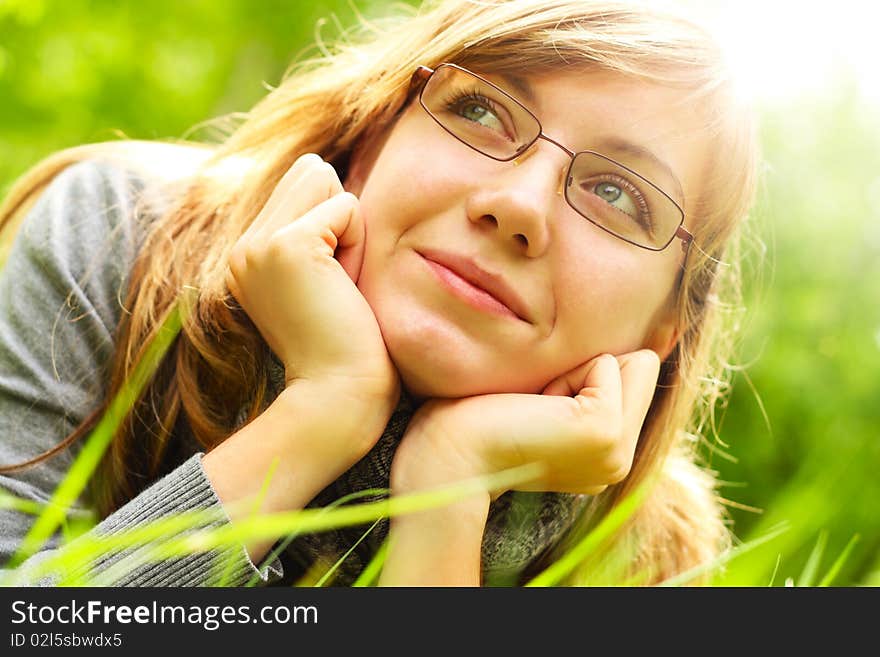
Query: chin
point(436, 358)
point(421, 387)
point(427, 373)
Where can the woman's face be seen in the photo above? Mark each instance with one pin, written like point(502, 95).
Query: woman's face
point(429, 199)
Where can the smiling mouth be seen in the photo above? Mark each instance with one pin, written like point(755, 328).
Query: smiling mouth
point(474, 296)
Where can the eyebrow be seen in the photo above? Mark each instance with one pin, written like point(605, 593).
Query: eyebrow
point(611, 144)
point(521, 85)
point(616, 144)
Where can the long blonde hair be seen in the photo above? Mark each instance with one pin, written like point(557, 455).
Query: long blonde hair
point(328, 105)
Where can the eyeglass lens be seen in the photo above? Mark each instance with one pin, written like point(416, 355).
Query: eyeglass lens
point(608, 193)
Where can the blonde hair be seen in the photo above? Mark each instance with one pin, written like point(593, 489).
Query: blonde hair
point(328, 105)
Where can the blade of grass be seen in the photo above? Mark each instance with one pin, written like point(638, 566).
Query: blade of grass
point(8, 501)
point(315, 520)
point(563, 566)
point(838, 563)
point(276, 552)
point(326, 576)
point(88, 547)
point(612, 569)
point(726, 557)
point(255, 510)
point(98, 441)
point(775, 570)
point(808, 574)
point(873, 579)
point(370, 574)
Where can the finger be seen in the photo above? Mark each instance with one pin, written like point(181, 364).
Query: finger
point(307, 183)
point(352, 241)
point(601, 388)
point(570, 383)
point(639, 371)
point(313, 185)
point(331, 224)
point(288, 180)
point(597, 407)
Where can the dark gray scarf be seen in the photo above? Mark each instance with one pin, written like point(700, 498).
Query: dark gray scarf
point(520, 526)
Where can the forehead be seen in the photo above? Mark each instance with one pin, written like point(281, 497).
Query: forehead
point(619, 116)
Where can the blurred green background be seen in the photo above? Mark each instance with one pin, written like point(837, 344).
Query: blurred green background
point(803, 422)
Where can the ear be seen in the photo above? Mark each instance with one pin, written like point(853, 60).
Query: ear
point(664, 336)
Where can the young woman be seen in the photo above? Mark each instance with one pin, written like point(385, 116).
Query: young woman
point(492, 234)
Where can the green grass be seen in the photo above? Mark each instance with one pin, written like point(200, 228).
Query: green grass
point(189, 532)
point(93, 450)
point(201, 531)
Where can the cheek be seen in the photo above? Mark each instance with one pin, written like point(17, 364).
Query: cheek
point(607, 296)
point(417, 174)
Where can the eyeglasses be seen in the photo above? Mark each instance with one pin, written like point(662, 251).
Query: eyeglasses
point(609, 194)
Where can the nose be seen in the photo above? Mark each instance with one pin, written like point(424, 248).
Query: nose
point(518, 202)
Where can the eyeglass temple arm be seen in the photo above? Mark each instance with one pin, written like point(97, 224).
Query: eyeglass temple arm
point(686, 239)
point(421, 74)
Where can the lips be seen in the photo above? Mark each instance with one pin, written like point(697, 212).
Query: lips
point(470, 271)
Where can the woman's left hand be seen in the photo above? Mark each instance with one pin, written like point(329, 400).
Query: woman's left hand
point(582, 430)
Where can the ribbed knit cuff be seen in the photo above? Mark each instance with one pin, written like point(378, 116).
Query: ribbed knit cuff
point(186, 489)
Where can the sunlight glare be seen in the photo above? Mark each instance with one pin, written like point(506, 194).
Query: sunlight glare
point(780, 49)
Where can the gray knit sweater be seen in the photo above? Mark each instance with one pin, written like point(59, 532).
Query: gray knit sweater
point(60, 302)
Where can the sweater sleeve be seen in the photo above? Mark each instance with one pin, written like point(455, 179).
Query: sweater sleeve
point(61, 293)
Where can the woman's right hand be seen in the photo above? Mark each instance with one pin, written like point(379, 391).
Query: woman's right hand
point(583, 429)
point(294, 272)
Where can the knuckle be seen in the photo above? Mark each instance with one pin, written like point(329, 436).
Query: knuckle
point(320, 175)
point(279, 251)
point(650, 357)
point(329, 171)
point(349, 199)
point(649, 361)
point(237, 262)
point(300, 167)
point(308, 160)
point(253, 254)
point(617, 475)
point(594, 404)
point(608, 438)
point(617, 468)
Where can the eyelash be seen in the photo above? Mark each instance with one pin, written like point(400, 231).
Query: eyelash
point(471, 95)
point(645, 212)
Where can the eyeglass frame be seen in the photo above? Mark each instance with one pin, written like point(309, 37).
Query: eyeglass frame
point(420, 78)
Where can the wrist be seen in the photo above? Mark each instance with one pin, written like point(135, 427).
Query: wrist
point(432, 453)
point(351, 418)
point(308, 436)
point(363, 389)
point(437, 547)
